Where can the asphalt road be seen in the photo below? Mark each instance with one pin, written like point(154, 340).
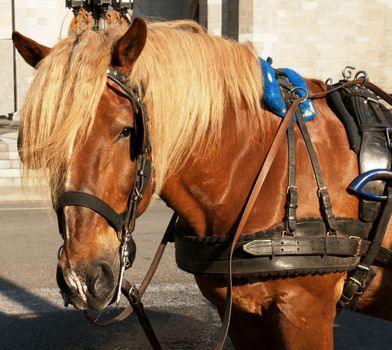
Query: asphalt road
point(32, 315)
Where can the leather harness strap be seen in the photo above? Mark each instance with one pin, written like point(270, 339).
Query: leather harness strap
point(292, 190)
point(364, 274)
point(134, 295)
point(291, 205)
point(271, 254)
point(322, 191)
point(249, 204)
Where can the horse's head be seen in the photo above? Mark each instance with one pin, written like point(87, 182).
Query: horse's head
point(101, 178)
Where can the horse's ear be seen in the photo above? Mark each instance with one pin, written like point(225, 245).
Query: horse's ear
point(130, 45)
point(30, 50)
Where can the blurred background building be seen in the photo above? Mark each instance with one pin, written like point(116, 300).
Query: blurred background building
point(316, 37)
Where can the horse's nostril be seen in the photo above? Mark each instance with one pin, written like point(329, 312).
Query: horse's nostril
point(100, 280)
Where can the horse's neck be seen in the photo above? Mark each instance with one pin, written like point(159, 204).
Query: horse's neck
point(209, 192)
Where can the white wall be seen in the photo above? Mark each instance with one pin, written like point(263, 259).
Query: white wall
point(43, 21)
point(320, 37)
point(316, 37)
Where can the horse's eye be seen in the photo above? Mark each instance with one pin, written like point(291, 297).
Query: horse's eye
point(125, 133)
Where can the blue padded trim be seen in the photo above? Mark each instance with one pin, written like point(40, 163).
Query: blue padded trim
point(273, 99)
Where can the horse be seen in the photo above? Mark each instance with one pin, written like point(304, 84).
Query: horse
point(209, 135)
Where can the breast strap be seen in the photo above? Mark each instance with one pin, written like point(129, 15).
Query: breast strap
point(267, 254)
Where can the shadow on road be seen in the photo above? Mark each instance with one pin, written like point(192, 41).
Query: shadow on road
point(60, 328)
point(23, 297)
point(69, 330)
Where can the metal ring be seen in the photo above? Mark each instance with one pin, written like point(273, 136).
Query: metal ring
point(347, 72)
point(294, 97)
point(329, 81)
point(362, 74)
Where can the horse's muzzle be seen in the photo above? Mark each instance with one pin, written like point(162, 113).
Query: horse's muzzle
point(91, 288)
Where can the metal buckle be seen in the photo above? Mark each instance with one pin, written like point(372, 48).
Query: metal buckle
point(356, 281)
point(363, 267)
point(139, 195)
point(321, 190)
point(291, 187)
point(124, 260)
point(359, 240)
point(371, 99)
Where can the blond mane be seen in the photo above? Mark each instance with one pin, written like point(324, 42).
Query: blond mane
point(190, 80)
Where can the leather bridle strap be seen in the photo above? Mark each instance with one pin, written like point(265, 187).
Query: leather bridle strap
point(259, 181)
point(126, 287)
point(135, 301)
point(84, 199)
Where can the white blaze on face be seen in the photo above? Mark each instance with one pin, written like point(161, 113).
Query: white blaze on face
point(74, 281)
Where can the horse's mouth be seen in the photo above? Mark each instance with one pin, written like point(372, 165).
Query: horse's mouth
point(90, 305)
point(79, 296)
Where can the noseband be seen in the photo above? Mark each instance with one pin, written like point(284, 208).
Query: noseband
point(122, 222)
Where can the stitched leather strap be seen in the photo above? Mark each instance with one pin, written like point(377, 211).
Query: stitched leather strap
point(292, 191)
point(208, 255)
point(73, 198)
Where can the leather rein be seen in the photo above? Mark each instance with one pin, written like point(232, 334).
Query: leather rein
point(125, 221)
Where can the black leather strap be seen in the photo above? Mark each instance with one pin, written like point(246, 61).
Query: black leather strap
point(73, 198)
point(292, 191)
point(384, 256)
point(134, 298)
point(140, 113)
point(325, 201)
point(291, 205)
point(363, 274)
point(208, 255)
point(327, 245)
point(335, 100)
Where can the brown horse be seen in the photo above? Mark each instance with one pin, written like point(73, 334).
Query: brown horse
point(209, 137)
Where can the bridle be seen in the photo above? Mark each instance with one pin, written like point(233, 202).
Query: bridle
point(123, 223)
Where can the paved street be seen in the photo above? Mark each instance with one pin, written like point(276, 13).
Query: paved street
point(32, 315)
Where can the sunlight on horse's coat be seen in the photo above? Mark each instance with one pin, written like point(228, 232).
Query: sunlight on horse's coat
point(210, 135)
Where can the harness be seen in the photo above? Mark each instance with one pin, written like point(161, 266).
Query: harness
point(312, 246)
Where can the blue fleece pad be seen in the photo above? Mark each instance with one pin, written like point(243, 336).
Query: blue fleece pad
point(273, 99)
